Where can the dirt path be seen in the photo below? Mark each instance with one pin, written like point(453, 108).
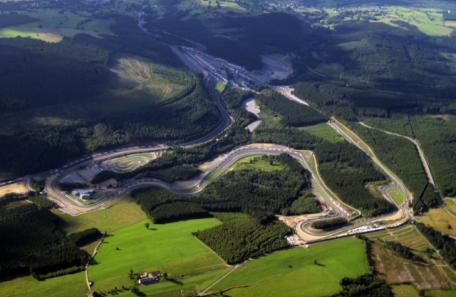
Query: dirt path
point(86, 269)
point(206, 292)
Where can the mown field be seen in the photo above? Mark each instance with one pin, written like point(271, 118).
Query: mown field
point(72, 285)
point(52, 25)
point(441, 220)
point(325, 132)
point(164, 84)
point(169, 248)
point(316, 271)
point(451, 205)
point(119, 215)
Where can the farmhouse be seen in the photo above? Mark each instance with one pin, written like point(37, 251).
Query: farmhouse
point(149, 278)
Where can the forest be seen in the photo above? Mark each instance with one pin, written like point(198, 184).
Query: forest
point(165, 207)
point(77, 105)
point(241, 238)
point(364, 286)
point(401, 156)
point(34, 243)
point(259, 193)
point(330, 224)
point(182, 163)
point(436, 135)
point(345, 169)
point(292, 113)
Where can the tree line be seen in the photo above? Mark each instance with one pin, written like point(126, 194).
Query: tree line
point(34, 243)
point(242, 238)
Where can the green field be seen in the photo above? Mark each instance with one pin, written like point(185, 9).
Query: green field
point(405, 291)
point(54, 287)
point(121, 214)
point(52, 25)
point(397, 195)
point(316, 271)
point(162, 82)
point(324, 131)
point(429, 21)
point(262, 163)
point(451, 205)
point(170, 248)
point(440, 220)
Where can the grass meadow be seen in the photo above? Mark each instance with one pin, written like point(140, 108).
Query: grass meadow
point(72, 284)
point(315, 271)
point(440, 220)
point(324, 131)
point(120, 214)
point(169, 248)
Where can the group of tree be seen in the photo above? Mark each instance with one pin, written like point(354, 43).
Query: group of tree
point(34, 243)
point(85, 237)
point(292, 113)
point(242, 238)
point(443, 243)
point(256, 192)
point(165, 207)
point(182, 163)
point(74, 87)
point(364, 286)
point(347, 171)
point(344, 168)
point(401, 156)
point(404, 251)
point(330, 224)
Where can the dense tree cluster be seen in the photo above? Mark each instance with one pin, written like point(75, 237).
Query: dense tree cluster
point(72, 94)
point(307, 203)
point(291, 113)
point(364, 286)
point(259, 193)
point(404, 251)
point(14, 19)
point(445, 244)
point(242, 238)
point(182, 163)
point(233, 97)
point(330, 224)
point(402, 157)
point(346, 171)
point(292, 137)
point(177, 211)
point(164, 207)
point(85, 237)
point(32, 242)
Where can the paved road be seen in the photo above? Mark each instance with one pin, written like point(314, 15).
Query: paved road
point(354, 139)
point(194, 185)
point(74, 207)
